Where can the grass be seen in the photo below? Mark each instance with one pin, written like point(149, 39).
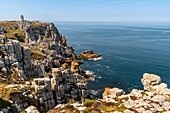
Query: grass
point(90, 103)
point(143, 93)
point(5, 93)
point(24, 111)
point(163, 111)
point(120, 108)
point(109, 108)
point(13, 31)
point(92, 110)
point(12, 78)
point(37, 54)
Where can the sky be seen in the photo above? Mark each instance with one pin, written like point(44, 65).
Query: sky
point(86, 10)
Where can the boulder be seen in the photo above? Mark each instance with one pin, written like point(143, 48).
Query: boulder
point(31, 109)
point(158, 98)
point(112, 92)
point(150, 80)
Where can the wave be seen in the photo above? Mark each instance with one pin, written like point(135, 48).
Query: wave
point(99, 58)
point(124, 58)
point(108, 67)
point(148, 30)
point(89, 72)
point(97, 76)
point(98, 64)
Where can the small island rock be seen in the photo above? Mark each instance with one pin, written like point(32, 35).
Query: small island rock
point(88, 55)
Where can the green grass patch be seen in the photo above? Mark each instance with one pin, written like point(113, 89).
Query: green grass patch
point(12, 31)
point(90, 103)
point(120, 108)
point(37, 54)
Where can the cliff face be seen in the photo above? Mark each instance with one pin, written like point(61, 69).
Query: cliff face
point(40, 40)
point(33, 49)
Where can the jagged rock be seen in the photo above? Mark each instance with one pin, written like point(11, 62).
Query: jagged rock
point(2, 64)
point(88, 55)
point(43, 90)
point(112, 92)
point(150, 80)
point(2, 30)
point(75, 66)
point(128, 111)
point(166, 105)
point(4, 110)
point(31, 109)
point(21, 74)
point(64, 41)
point(137, 93)
point(69, 49)
point(26, 59)
point(17, 50)
point(158, 98)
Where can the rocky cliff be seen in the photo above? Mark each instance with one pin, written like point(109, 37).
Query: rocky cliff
point(37, 67)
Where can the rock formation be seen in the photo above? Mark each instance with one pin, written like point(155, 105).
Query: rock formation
point(150, 80)
point(88, 55)
point(154, 99)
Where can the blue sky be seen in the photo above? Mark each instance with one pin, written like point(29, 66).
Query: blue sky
point(86, 10)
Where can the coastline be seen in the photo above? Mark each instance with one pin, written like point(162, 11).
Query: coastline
point(44, 72)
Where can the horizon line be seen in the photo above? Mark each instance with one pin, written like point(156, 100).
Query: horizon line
point(91, 21)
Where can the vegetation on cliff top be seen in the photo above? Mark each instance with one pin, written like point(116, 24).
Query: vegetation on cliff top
point(12, 30)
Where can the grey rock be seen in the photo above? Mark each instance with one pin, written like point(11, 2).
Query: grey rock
point(4, 110)
point(31, 109)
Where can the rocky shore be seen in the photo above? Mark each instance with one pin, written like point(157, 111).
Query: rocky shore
point(154, 99)
point(40, 73)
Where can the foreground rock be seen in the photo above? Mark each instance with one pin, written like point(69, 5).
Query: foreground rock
point(88, 55)
point(116, 101)
point(155, 99)
point(150, 80)
point(31, 109)
point(113, 92)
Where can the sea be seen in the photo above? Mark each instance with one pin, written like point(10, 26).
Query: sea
point(128, 49)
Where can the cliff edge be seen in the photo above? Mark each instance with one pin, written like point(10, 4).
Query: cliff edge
point(37, 67)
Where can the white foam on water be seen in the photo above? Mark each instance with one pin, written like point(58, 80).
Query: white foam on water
point(97, 76)
point(89, 72)
point(99, 58)
point(108, 67)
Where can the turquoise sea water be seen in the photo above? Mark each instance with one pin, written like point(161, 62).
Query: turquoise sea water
point(128, 51)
